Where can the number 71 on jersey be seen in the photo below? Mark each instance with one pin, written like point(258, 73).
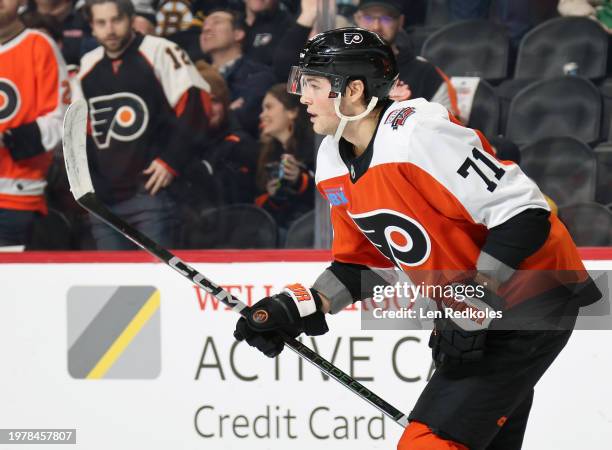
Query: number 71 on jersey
point(498, 172)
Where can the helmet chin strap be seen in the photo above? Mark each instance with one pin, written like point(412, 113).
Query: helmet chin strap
point(346, 119)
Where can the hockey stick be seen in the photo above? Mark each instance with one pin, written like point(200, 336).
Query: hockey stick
point(75, 157)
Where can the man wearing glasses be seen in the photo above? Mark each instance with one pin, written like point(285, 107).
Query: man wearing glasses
point(418, 77)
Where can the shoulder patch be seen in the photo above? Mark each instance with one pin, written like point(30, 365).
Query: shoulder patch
point(398, 117)
point(336, 196)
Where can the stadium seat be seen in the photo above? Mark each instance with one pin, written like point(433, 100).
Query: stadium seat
point(545, 49)
point(51, 232)
point(565, 105)
point(238, 226)
point(590, 224)
point(506, 91)
point(437, 14)
point(418, 35)
point(301, 232)
point(472, 47)
point(485, 110)
point(605, 88)
point(563, 167)
point(603, 156)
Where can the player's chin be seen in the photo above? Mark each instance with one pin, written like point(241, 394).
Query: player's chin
point(319, 129)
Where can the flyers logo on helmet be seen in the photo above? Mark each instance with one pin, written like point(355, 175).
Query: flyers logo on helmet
point(123, 116)
point(400, 238)
point(10, 101)
point(352, 38)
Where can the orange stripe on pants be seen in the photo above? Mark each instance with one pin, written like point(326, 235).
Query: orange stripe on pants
point(418, 436)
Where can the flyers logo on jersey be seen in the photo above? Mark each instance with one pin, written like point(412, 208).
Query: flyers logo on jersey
point(9, 100)
point(123, 116)
point(397, 117)
point(400, 238)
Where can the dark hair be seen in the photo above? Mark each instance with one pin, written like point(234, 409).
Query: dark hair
point(238, 17)
point(34, 19)
point(301, 142)
point(125, 7)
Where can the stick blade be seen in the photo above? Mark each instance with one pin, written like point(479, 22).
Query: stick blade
point(75, 149)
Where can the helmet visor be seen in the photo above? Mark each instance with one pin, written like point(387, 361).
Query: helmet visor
point(314, 83)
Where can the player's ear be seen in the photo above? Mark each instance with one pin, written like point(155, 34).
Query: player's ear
point(355, 90)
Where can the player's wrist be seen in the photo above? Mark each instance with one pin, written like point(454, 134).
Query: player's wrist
point(488, 282)
point(307, 309)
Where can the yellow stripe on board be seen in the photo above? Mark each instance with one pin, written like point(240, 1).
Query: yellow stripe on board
point(123, 340)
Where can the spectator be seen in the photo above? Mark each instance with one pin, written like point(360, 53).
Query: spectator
point(173, 16)
point(34, 92)
point(299, 32)
point(146, 100)
point(44, 23)
point(286, 159)
point(600, 10)
point(418, 78)
point(224, 170)
point(222, 37)
point(580, 8)
point(267, 24)
point(144, 16)
point(77, 39)
point(294, 38)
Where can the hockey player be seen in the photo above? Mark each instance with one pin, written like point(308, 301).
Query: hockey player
point(34, 93)
point(411, 189)
point(146, 100)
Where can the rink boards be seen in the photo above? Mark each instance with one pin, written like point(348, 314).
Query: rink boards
point(133, 356)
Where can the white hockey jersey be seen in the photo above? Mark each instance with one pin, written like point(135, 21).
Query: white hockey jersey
point(424, 195)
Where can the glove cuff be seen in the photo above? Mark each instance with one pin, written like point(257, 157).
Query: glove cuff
point(309, 304)
point(307, 301)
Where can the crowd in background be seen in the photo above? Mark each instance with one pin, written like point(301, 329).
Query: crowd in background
point(244, 140)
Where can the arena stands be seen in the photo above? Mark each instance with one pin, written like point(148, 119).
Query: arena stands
point(538, 79)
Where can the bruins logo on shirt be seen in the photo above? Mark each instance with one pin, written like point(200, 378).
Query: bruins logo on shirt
point(9, 100)
point(173, 16)
point(400, 238)
point(123, 116)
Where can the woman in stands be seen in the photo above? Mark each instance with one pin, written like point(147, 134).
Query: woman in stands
point(285, 168)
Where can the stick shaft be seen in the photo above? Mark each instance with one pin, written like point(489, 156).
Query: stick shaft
point(90, 202)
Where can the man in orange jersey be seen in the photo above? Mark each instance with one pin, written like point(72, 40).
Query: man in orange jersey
point(34, 92)
point(146, 102)
point(412, 190)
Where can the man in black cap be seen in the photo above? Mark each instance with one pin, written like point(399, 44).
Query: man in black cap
point(418, 77)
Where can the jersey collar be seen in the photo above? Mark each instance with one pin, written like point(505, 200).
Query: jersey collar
point(357, 166)
point(14, 39)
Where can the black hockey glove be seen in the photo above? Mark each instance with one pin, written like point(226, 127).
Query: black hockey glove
point(294, 311)
point(459, 336)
